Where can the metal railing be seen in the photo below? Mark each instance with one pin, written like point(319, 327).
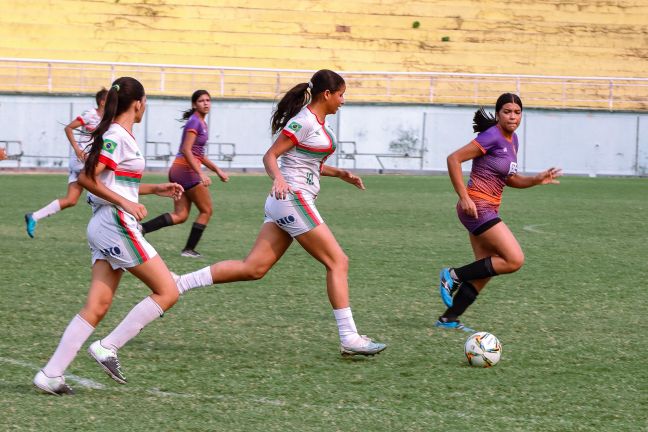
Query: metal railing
point(62, 76)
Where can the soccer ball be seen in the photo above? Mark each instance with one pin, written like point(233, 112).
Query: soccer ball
point(483, 350)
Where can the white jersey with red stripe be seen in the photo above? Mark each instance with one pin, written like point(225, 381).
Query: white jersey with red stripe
point(124, 165)
point(314, 143)
point(90, 119)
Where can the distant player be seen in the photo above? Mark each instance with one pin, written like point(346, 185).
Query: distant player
point(187, 171)
point(494, 156)
point(302, 148)
point(112, 176)
point(87, 121)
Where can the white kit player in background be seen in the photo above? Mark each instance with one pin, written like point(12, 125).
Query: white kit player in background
point(87, 121)
point(302, 148)
point(112, 174)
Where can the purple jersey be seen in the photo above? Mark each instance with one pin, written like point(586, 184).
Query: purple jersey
point(196, 126)
point(489, 172)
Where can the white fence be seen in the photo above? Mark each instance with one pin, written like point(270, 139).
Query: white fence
point(72, 77)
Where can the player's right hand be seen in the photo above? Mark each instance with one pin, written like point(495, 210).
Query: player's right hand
point(280, 189)
point(468, 206)
point(205, 179)
point(138, 210)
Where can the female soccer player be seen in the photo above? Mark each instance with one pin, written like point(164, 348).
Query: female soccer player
point(186, 170)
point(494, 156)
point(87, 121)
point(112, 175)
point(302, 147)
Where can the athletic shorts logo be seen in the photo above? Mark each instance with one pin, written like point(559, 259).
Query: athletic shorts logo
point(294, 126)
point(114, 251)
point(109, 146)
point(285, 221)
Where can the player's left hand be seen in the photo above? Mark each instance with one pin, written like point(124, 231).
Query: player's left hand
point(549, 176)
point(223, 176)
point(353, 179)
point(171, 190)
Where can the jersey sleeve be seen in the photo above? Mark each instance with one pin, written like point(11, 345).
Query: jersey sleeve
point(192, 125)
point(486, 140)
point(84, 118)
point(296, 129)
point(112, 152)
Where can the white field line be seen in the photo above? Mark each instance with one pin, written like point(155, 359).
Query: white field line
point(84, 382)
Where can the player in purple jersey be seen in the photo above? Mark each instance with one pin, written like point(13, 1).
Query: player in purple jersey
point(494, 156)
point(295, 162)
point(87, 121)
point(186, 171)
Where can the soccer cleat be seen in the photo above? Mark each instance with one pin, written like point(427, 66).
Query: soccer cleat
point(452, 324)
point(190, 253)
point(30, 224)
point(55, 386)
point(365, 347)
point(108, 360)
point(447, 287)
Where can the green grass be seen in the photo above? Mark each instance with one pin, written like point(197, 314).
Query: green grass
point(263, 355)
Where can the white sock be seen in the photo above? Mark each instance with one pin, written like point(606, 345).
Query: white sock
point(77, 332)
point(197, 279)
point(50, 209)
point(346, 325)
point(139, 317)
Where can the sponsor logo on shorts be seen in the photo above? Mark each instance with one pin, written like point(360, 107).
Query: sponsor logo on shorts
point(285, 221)
point(114, 251)
point(294, 126)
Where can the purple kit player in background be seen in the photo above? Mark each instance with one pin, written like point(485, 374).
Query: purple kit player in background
point(186, 170)
point(87, 121)
point(494, 156)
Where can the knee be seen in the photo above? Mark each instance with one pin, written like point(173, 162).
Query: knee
point(339, 263)
point(207, 211)
point(516, 262)
point(68, 202)
point(257, 272)
point(169, 298)
point(179, 218)
point(94, 312)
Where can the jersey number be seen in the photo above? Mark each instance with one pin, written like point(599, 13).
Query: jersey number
point(309, 178)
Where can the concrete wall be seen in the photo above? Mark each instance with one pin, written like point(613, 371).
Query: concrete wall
point(402, 137)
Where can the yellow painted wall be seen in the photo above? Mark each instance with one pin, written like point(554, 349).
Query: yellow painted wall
point(551, 37)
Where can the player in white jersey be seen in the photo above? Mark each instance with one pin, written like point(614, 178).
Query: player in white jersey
point(112, 175)
point(302, 148)
point(87, 121)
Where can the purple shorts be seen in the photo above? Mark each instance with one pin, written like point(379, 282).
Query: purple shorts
point(487, 213)
point(184, 176)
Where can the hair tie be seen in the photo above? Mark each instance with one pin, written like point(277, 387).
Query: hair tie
point(310, 85)
point(116, 87)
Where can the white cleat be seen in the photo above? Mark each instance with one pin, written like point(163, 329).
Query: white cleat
point(108, 360)
point(363, 346)
point(55, 386)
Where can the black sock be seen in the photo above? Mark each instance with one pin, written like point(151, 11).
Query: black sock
point(194, 236)
point(477, 270)
point(164, 220)
point(465, 296)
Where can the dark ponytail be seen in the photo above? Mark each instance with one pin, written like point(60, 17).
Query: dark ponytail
point(483, 120)
point(297, 97)
point(194, 98)
point(123, 92)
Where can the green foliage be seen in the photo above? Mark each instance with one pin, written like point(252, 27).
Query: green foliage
point(263, 355)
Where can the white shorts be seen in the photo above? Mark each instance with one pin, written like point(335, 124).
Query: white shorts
point(114, 236)
point(296, 214)
point(73, 176)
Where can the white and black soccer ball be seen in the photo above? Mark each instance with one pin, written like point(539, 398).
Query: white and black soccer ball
point(483, 350)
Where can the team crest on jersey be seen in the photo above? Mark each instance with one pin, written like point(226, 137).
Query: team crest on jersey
point(294, 126)
point(109, 146)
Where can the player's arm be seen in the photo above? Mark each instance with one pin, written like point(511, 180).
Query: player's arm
point(99, 189)
point(343, 174)
point(69, 133)
point(193, 161)
point(215, 168)
point(468, 152)
point(545, 177)
point(171, 190)
point(270, 161)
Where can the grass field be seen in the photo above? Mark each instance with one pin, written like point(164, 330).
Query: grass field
point(262, 356)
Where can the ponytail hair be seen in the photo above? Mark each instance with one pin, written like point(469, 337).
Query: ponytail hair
point(123, 92)
point(302, 94)
point(483, 120)
point(194, 98)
